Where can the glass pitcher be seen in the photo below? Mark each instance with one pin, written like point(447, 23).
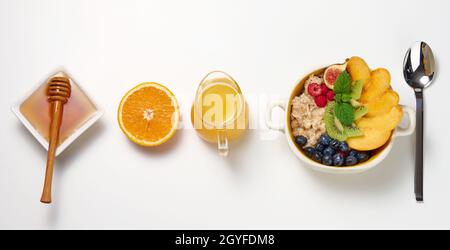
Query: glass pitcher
point(219, 113)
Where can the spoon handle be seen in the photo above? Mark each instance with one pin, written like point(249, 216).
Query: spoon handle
point(418, 184)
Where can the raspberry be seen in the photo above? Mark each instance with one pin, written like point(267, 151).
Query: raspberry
point(314, 89)
point(330, 95)
point(343, 154)
point(324, 89)
point(321, 101)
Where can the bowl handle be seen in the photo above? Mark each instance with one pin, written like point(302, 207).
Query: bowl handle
point(412, 122)
point(269, 123)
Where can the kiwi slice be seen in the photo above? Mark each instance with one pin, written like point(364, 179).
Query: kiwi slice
point(355, 103)
point(356, 90)
point(360, 112)
point(332, 128)
point(338, 124)
point(353, 131)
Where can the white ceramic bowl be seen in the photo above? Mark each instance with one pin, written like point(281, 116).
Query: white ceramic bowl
point(376, 159)
point(77, 133)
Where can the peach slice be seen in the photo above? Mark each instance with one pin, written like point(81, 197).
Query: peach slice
point(380, 82)
point(358, 70)
point(372, 139)
point(383, 104)
point(384, 122)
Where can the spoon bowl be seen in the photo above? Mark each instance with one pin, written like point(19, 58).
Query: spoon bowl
point(419, 66)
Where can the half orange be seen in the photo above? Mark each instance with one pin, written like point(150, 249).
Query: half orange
point(149, 114)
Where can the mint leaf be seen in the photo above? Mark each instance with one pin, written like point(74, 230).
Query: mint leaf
point(338, 97)
point(343, 84)
point(357, 89)
point(344, 113)
point(346, 97)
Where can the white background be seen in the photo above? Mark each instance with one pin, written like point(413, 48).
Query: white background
point(103, 181)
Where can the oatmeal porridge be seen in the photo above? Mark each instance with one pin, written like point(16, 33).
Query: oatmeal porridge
point(307, 117)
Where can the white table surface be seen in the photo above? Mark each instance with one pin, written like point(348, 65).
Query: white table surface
point(103, 181)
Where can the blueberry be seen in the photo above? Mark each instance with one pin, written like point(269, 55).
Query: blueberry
point(335, 144)
point(343, 147)
point(325, 140)
point(317, 156)
point(301, 140)
point(353, 153)
point(351, 160)
point(362, 156)
point(310, 151)
point(329, 151)
point(338, 160)
point(320, 147)
point(327, 160)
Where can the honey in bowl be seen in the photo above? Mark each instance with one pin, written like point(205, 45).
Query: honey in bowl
point(77, 111)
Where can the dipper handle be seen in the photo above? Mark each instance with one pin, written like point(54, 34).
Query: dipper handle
point(58, 92)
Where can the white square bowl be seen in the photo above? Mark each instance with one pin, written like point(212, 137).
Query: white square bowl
point(78, 132)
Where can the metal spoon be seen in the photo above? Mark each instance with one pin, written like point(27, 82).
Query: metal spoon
point(419, 70)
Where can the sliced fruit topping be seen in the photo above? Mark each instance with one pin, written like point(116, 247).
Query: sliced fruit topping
point(358, 70)
point(383, 104)
point(314, 89)
point(149, 114)
point(357, 90)
point(335, 128)
point(377, 112)
point(386, 122)
point(377, 129)
point(331, 74)
point(353, 131)
point(338, 124)
point(355, 103)
point(332, 130)
point(372, 139)
point(380, 82)
point(360, 112)
point(347, 108)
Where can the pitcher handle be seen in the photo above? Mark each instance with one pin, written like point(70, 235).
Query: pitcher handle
point(222, 142)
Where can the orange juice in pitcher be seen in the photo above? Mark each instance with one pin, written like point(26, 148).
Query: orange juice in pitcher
point(220, 112)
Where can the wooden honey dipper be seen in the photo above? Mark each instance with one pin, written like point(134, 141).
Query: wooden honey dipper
point(58, 92)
